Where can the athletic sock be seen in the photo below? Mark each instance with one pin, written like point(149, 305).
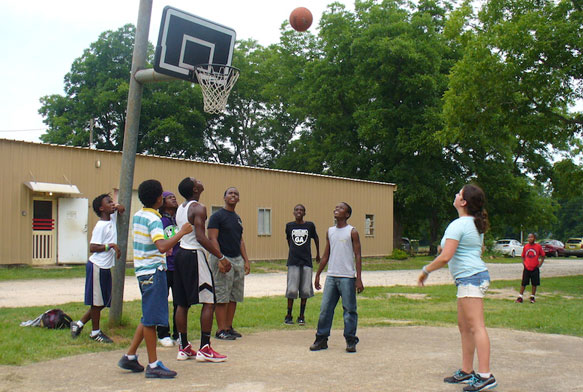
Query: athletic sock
point(289, 312)
point(183, 338)
point(485, 375)
point(302, 309)
point(154, 365)
point(205, 338)
point(80, 324)
point(131, 357)
point(95, 332)
point(519, 295)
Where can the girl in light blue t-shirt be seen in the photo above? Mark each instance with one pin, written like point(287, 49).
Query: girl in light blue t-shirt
point(462, 245)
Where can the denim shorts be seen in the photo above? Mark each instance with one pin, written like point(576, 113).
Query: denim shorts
point(154, 291)
point(299, 281)
point(474, 286)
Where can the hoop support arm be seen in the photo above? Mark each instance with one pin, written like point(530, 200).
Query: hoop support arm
point(148, 75)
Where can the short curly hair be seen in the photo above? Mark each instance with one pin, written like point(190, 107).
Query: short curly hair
point(98, 201)
point(149, 191)
point(186, 188)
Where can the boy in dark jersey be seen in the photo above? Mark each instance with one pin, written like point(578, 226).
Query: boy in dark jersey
point(533, 257)
point(299, 262)
point(168, 212)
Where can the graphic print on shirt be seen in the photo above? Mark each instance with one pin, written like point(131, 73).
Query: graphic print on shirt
point(531, 254)
point(299, 236)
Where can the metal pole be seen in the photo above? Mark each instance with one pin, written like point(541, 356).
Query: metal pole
point(130, 147)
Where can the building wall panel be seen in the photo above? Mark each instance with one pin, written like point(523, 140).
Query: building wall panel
point(96, 171)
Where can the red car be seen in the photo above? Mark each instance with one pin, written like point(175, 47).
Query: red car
point(553, 248)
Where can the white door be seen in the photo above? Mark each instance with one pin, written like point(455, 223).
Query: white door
point(72, 230)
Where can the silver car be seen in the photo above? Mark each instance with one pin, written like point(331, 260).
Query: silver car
point(508, 247)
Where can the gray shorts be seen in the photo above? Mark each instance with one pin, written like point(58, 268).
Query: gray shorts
point(299, 281)
point(229, 287)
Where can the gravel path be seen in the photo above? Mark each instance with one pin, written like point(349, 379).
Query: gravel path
point(21, 293)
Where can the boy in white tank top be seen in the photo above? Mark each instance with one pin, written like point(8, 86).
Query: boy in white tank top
point(194, 282)
point(342, 281)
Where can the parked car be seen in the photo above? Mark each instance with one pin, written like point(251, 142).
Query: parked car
point(553, 248)
point(508, 247)
point(574, 247)
point(406, 244)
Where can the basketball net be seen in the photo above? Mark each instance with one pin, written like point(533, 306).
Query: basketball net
point(216, 82)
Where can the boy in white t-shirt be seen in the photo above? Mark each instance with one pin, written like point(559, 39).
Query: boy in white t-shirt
point(103, 247)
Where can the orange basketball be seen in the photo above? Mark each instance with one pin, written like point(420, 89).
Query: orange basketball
point(300, 19)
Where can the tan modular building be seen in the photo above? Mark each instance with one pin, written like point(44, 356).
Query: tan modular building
point(47, 192)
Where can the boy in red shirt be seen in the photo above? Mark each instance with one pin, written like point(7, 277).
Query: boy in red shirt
point(533, 257)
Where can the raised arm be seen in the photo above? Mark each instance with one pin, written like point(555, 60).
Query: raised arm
point(442, 259)
point(164, 245)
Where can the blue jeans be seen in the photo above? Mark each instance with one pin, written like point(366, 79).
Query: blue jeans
point(334, 288)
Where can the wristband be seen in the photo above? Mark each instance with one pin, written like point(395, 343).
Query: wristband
point(106, 247)
point(424, 269)
point(222, 258)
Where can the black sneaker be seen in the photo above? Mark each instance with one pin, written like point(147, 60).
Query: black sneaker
point(288, 320)
point(351, 345)
point(130, 364)
point(224, 335)
point(101, 338)
point(478, 383)
point(460, 377)
point(301, 320)
point(75, 330)
point(234, 333)
point(319, 344)
point(160, 371)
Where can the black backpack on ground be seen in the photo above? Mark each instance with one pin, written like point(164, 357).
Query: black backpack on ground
point(52, 319)
point(56, 319)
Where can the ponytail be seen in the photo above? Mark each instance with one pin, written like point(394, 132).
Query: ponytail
point(475, 199)
point(481, 221)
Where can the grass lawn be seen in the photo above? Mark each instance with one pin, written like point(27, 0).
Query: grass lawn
point(368, 264)
point(558, 311)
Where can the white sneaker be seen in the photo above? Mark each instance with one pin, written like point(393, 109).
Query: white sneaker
point(166, 342)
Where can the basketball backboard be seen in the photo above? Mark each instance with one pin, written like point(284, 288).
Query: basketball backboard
point(186, 40)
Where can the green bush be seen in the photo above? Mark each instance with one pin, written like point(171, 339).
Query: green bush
point(399, 254)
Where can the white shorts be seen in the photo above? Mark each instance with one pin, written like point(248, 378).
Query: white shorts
point(474, 286)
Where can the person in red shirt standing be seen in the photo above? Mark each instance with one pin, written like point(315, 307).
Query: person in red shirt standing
point(533, 257)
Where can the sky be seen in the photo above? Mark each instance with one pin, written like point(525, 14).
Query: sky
point(40, 40)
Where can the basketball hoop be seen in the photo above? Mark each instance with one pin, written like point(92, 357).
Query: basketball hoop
point(216, 82)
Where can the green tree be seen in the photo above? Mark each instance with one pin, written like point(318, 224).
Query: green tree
point(95, 88)
point(172, 122)
point(373, 96)
point(567, 184)
point(508, 105)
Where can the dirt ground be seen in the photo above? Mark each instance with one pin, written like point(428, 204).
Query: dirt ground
point(388, 359)
point(403, 358)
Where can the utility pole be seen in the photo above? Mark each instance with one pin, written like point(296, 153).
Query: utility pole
point(91, 125)
point(130, 147)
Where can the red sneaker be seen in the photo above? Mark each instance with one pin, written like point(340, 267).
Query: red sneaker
point(185, 353)
point(207, 354)
point(519, 300)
